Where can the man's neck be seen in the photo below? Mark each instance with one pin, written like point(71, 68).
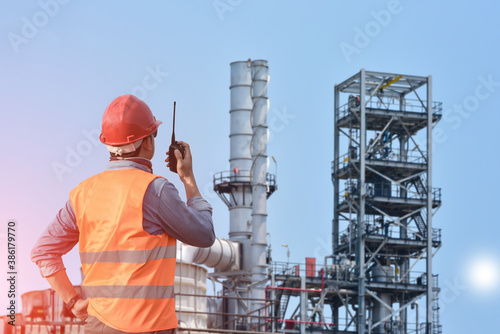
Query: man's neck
point(140, 160)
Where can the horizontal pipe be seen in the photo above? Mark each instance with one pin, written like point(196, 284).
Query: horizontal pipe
point(307, 322)
point(223, 255)
point(292, 289)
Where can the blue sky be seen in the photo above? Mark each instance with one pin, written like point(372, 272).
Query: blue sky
point(62, 62)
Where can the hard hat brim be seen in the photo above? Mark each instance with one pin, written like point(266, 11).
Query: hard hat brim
point(150, 132)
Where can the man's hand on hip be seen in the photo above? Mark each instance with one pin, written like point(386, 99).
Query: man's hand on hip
point(80, 309)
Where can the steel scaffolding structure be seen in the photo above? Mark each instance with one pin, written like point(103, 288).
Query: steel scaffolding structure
point(384, 202)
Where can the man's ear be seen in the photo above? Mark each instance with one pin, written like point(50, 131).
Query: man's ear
point(147, 143)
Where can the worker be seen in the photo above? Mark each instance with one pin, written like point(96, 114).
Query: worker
point(353, 153)
point(126, 221)
point(370, 154)
point(370, 191)
point(380, 220)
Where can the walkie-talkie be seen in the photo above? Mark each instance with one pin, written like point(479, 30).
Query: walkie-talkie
point(171, 150)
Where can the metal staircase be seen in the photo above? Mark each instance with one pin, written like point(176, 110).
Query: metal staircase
point(419, 186)
point(422, 226)
point(285, 298)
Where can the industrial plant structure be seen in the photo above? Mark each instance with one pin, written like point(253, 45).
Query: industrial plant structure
point(382, 225)
point(384, 202)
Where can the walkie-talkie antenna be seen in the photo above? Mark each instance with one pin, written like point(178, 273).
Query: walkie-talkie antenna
point(173, 127)
point(174, 146)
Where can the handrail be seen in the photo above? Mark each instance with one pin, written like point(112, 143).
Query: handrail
point(385, 190)
point(240, 176)
point(343, 271)
point(411, 158)
point(374, 229)
point(244, 176)
point(391, 104)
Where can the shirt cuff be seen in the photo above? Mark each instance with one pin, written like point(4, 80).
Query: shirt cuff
point(50, 267)
point(198, 203)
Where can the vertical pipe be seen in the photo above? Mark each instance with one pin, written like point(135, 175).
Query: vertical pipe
point(429, 207)
point(415, 304)
point(273, 304)
point(336, 146)
point(260, 79)
point(240, 211)
point(360, 245)
point(335, 317)
point(403, 229)
point(303, 304)
point(383, 274)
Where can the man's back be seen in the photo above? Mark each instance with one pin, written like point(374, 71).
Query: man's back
point(127, 270)
point(127, 221)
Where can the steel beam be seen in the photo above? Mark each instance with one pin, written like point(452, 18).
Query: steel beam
point(428, 302)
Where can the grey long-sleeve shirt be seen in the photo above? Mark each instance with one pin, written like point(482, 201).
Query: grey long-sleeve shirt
point(163, 212)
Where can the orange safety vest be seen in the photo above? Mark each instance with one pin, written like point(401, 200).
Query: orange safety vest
point(129, 274)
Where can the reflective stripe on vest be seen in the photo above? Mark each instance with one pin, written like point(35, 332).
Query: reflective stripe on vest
point(128, 256)
point(129, 274)
point(129, 291)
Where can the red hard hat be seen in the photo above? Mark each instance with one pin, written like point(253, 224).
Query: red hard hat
point(126, 120)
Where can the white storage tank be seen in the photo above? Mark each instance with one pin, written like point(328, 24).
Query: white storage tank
point(190, 279)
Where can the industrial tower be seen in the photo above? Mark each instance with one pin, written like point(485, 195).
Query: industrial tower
point(245, 189)
point(384, 203)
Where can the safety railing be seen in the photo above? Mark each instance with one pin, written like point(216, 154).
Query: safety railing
point(346, 270)
point(240, 176)
point(292, 326)
point(436, 194)
point(388, 230)
point(391, 104)
point(398, 276)
point(436, 234)
point(394, 325)
point(412, 157)
point(190, 307)
point(387, 190)
point(296, 269)
point(434, 329)
point(435, 280)
point(243, 176)
point(271, 180)
point(43, 311)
